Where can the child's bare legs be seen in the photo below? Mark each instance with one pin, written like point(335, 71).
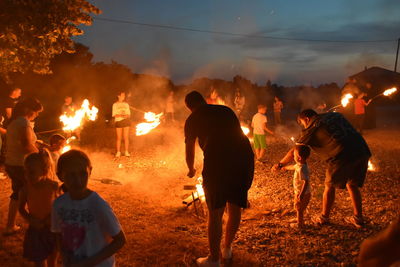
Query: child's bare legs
point(300, 207)
point(262, 153)
point(258, 151)
point(119, 138)
point(126, 138)
point(12, 214)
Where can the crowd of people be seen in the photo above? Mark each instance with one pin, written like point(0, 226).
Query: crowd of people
point(66, 219)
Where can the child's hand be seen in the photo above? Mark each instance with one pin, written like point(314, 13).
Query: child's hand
point(191, 173)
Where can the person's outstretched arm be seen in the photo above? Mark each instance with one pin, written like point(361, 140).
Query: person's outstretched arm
point(190, 153)
point(285, 160)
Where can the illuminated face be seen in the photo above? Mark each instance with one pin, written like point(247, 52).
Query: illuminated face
point(303, 122)
point(263, 110)
point(32, 115)
point(121, 97)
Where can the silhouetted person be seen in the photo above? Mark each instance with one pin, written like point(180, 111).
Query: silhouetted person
point(227, 171)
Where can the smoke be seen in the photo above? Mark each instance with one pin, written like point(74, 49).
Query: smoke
point(309, 98)
point(287, 132)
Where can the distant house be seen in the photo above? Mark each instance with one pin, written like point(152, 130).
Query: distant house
point(380, 79)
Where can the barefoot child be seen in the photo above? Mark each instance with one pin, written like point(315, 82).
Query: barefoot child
point(38, 194)
point(301, 181)
point(88, 232)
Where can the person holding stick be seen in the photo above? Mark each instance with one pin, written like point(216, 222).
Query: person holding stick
point(346, 153)
point(227, 171)
point(359, 111)
point(121, 114)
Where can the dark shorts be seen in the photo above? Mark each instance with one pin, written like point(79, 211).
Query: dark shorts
point(122, 124)
point(341, 172)
point(17, 176)
point(218, 198)
point(39, 244)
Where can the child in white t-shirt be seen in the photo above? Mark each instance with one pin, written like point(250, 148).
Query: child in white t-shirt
point(88, 232)
point(121, 113)
point(301, 181)
point(259, 124)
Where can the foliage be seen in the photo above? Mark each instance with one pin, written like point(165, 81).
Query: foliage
point(32, 32)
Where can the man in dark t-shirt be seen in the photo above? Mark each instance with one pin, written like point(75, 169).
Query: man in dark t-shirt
point(9, 103)
point(227, 172)
point(346, 153)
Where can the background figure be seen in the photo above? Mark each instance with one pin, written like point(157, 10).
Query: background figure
point(21, 141)
point(259, 124)
point(169, 107)
point(121, 114)
point(278, 106)
point(9, 103)
point(359, 111)
point(69, 108)
point(227, 171)
point(239, 102)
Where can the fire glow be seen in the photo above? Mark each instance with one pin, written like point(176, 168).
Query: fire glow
point(390, 91)
point(346, 99)
point(199, 189)
point(245, 130)
point(67, 147)
point(371, 166)
point(152, 121)
point(71, 123)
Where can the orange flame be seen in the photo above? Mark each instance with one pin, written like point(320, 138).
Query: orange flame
point(245, 130)
point(345, 99)
point(293, 139)
point(371, 166)
point(71, 123)
point(67, 147)
point(153, 120)
point(390, 91)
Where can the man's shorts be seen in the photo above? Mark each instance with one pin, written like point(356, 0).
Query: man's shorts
point(217, 199)
point(122, 124)
point(344, 171)
point(259, 141)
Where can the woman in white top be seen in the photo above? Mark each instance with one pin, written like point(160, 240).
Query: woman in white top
point(121, 114)
point(21, 141)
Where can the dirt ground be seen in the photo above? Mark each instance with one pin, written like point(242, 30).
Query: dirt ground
point(161, 231)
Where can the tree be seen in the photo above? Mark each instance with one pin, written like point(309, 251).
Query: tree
point(32, 32)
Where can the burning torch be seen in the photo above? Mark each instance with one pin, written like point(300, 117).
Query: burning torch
point(387, 92)
point(343, 102)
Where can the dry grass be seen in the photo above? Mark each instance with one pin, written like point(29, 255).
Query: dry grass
point(163, 232)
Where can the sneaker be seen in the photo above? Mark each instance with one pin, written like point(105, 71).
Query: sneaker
point(127, 154)
point(321, 220)
point(206, 262)
point(227, 256)
point(118, 154)
point(357, 221)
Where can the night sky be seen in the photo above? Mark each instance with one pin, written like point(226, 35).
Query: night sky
point(185, 55)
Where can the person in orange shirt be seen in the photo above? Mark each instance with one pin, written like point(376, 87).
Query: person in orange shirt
point(359, 111)
point(38, 195)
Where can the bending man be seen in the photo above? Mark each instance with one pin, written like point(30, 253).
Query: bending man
point(227, 172)
point(346, 153)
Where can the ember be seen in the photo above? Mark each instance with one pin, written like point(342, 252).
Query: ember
point(71, 123)
point(153, 120)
